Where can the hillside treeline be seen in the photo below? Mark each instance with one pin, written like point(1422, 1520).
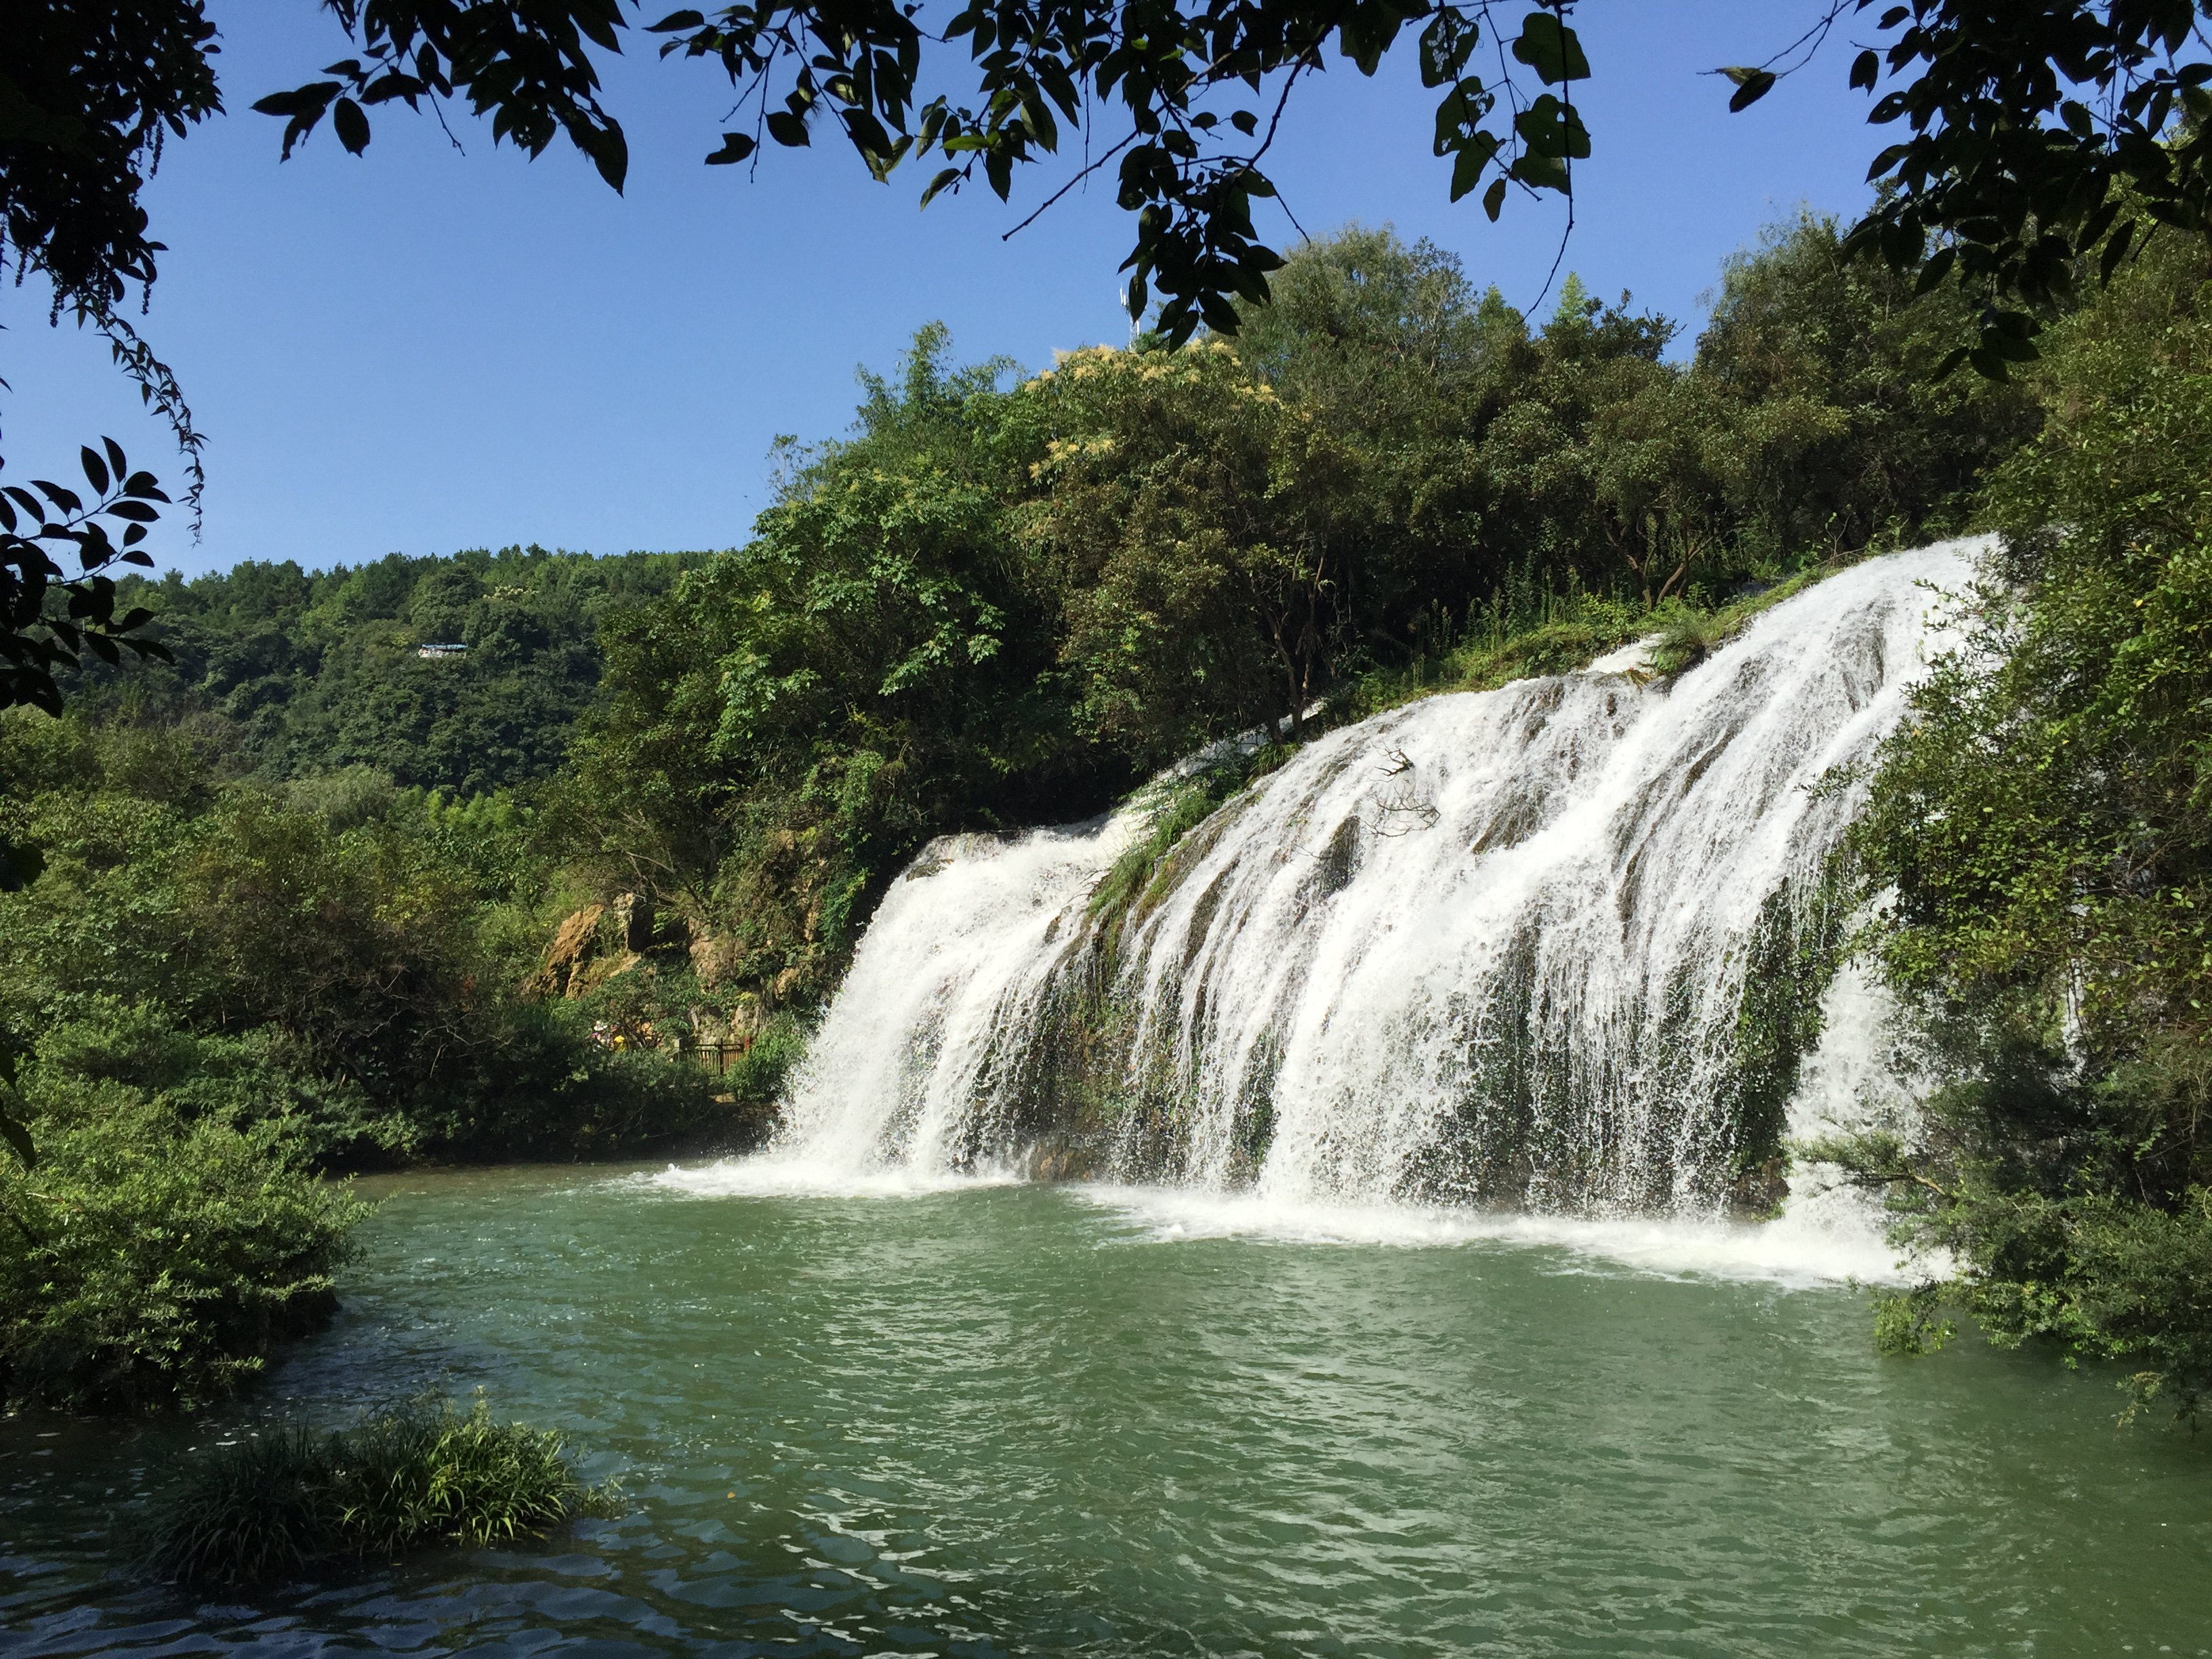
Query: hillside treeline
point(310, 672)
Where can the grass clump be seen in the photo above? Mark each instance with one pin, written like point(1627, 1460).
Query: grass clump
point(421, 1476)
point(1561, 634)
point(1685, 641)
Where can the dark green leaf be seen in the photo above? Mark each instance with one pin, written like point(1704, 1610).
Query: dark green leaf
point(1937, 268)
point(1467, 167)
point(1751, 85)
point(350, 124)
point(2116, 250)
point(1550, 48)
point(19, 1138)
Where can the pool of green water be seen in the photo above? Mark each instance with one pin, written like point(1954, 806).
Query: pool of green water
point(1028, 1420)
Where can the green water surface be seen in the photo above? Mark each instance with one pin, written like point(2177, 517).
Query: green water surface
point(1027, 1420)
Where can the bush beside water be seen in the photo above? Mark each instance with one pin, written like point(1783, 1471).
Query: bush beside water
point(212, 993)
point(149, 1263)
point(279, 1504)
point(2039, 837)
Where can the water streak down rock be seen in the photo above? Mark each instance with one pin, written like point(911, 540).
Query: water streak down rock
point(1558, 946)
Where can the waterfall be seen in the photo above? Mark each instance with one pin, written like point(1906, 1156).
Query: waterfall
point(954, 970)
point(1563, 947)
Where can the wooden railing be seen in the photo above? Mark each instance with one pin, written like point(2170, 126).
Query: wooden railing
point(720, 1054)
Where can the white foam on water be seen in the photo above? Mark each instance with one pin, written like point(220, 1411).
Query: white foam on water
point(1634, 658)
point(1792, 1250)
point(772, 1176)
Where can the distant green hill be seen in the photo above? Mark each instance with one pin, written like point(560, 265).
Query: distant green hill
point(319, 670)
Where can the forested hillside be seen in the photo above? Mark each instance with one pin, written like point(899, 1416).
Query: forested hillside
point(318, 672)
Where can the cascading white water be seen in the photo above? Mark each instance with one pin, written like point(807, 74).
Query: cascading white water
point(954, 966)
point(1501, 947)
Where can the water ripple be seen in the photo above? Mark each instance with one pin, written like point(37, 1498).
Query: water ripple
point(1004, 1420)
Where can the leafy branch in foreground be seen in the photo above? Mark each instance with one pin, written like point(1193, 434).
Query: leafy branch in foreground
point(45, 519)
point(91, 94)
point(2041, 136)
point(1202, 88)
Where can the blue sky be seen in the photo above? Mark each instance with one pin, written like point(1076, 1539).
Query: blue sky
point(420, 351)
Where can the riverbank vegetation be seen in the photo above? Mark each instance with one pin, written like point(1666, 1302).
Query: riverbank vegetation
point(281, 1503)
point(213, 991)
point(2045, 827)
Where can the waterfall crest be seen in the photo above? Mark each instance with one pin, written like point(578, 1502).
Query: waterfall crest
point(1558, 947)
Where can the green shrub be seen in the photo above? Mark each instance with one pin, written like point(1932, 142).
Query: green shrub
point(1683, 643)
point(422, 1476)
point(259, 1075)
point(755, 1080)
point(535, 1085)
point(1911, 1322)
point(150, 1263)
point(350, 974)
point(2039, 841)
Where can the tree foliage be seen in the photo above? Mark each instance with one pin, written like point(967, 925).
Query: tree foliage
point(2030, 126)
point(2037, 135)
point(51, 615)
point(2027, 125)
point(316, 673)
point(154, 1260)
point(2045, 826)
point(89, 97)
point(999, 604)
point(345, 965)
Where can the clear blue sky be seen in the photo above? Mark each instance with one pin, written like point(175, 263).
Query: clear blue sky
point(420, 351)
